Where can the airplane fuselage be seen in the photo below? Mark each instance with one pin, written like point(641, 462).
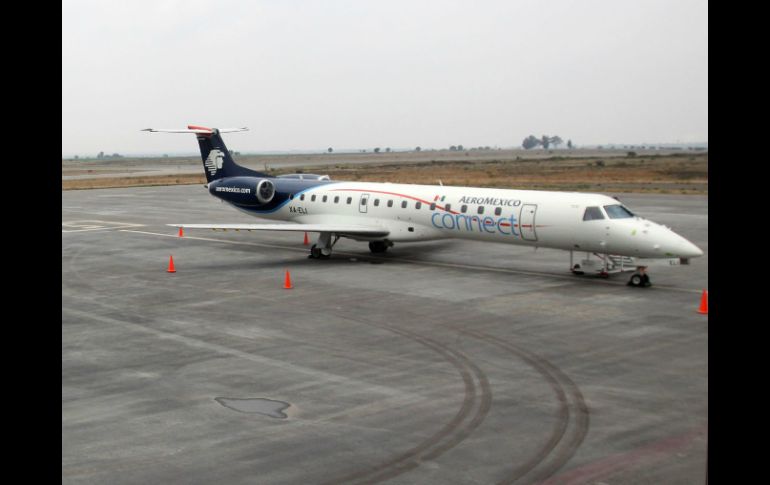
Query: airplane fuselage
point(558, 220)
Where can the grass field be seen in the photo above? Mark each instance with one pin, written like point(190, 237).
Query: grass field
point(679, 173)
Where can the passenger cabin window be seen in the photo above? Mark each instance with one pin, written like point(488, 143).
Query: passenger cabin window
point(403, 204)
point(350, 199)
point(433, 206)
point(481, 209)
point(312, 198)
point(448, 207)
point(463, 209)
point(324, 199)
point(390, 203)
point(336, 199)
point(498, 211)
point(363, 201)
point(593, 214)
point(418, 205)
point(617, 211)
point(376, 202)
point(302, 197)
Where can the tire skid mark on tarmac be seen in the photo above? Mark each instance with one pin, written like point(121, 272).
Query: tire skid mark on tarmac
point(572, 406)
point(452, 433)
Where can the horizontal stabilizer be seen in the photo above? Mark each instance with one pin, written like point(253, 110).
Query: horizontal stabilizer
point(353, 230)
point(194, 129)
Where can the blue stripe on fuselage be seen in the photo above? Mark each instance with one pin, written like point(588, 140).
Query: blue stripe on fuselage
point(248, 201)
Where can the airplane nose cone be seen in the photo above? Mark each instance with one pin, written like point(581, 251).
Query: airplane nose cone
point(689, 250)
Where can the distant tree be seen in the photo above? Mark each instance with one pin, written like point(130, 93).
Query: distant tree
point(459, 148)
point(545, 141)
point(556, 141)
point(387, 149)
point(100, 155)
point(377, 150)
point(165, 155)
point(486, 147)
point(569, 144)
point(117, 155)
point(417, 149)
point(76, 157)
point(330, 150)
point(453, 148)
point(530, 142)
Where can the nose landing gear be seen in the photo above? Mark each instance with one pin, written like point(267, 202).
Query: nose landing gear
point(640, 278)
point(610, 264)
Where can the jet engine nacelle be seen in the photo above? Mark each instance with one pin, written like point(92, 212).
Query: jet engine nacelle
point(265, 191)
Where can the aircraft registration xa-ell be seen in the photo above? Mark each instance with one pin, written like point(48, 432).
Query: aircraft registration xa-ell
point(385, 213)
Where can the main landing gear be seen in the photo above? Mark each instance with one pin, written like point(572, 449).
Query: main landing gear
point(379, 246)
point(323, 248)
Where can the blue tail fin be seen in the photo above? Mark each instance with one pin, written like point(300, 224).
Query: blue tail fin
point(217, 161)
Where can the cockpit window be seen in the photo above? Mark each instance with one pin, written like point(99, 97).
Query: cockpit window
point(617, 211)
point(593, 214)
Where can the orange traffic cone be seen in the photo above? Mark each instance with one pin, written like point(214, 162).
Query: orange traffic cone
point(287, 282)
point(704, 303)
point(171, 265)
point(181, 232)
point(306, 242)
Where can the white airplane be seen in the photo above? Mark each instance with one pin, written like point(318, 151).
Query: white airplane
point(384, 213)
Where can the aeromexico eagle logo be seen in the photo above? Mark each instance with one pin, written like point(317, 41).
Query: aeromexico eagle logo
point(214, 161)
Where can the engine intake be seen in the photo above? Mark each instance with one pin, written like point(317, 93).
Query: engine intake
point(265, 191)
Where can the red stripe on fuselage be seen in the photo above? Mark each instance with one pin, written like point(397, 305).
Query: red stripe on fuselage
point(396, 194)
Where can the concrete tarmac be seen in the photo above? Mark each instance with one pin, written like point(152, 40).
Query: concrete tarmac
point(448, 362)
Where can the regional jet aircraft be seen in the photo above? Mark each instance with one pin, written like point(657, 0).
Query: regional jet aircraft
point(383, 214)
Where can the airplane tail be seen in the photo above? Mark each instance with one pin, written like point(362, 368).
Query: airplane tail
point(217, 161)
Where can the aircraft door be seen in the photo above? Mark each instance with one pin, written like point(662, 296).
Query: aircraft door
point(527, 222)
point(363, 203)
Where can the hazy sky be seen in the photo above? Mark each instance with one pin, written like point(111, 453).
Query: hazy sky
point(305, 74)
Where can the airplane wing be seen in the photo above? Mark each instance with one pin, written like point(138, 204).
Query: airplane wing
point(353, 230)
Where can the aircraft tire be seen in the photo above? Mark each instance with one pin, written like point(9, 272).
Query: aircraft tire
point(315, 252)
point(577, 271)
point(378, 246)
